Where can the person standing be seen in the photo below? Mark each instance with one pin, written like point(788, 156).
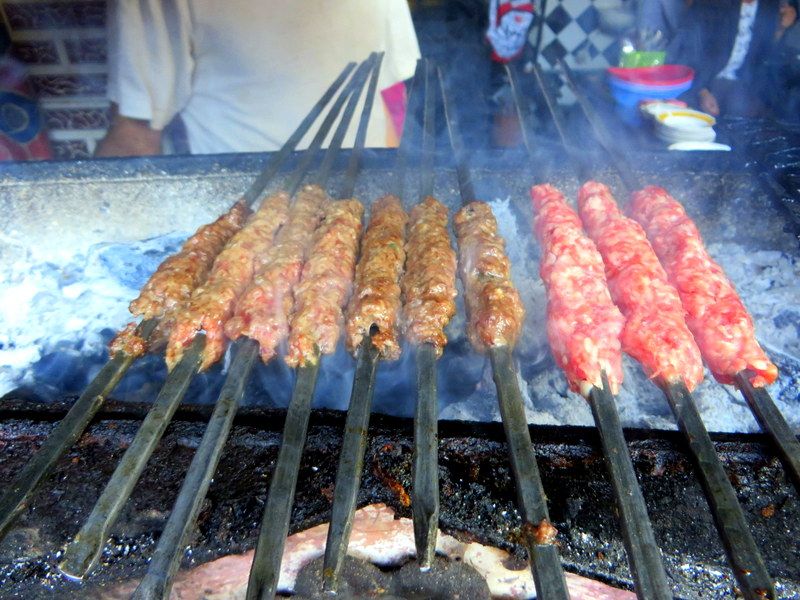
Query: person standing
point(728, 42)
point(242, 73)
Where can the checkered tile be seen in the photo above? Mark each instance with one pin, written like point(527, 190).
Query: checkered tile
point(571, 31)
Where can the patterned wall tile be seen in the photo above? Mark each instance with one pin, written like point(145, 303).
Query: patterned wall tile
point(46, 15)
point(87, 50)
point(76, 118)
point(571, 31)
point(69, 85)
point(35, 52)
point(70, 149)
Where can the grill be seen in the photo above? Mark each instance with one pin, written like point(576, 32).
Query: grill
point(566, 456)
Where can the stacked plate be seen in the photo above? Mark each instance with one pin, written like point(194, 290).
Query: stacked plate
point(675, 124)
point(685, 126)
point(629, 86)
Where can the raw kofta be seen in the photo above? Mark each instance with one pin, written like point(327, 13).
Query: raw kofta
point(376, 296)
point(212, 304)
point(722, 327)
point(583, 324)
point(262, 311)
point(429, 281)
point(325, 285)
point(494, 308)
point(655, 331)
point(176, 278)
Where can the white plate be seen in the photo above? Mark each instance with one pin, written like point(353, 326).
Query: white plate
point(707, 146)
point(706, 134)
point(685, 117)
point(653, 109)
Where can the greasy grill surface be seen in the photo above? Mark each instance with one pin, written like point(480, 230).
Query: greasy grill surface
point(477, 486)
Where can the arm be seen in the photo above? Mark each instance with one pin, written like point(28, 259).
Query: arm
point(128, 137)
point(150, 69)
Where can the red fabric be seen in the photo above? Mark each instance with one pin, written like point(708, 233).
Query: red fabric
point(22, 134)
point(394, 98)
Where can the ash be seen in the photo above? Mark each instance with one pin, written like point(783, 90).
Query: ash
point(58, 314)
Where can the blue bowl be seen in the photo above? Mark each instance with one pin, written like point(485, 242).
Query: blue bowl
point(630, 94)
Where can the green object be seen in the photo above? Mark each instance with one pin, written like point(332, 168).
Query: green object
point(641, 58)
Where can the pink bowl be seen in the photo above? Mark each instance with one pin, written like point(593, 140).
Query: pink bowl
point(664, 75)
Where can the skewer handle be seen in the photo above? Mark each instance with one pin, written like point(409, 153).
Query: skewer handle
point(276, 161)
point(746, 560)
point(166, 558)
point(66, 433)
point(351, 464)
point(644, 556)
point(772, 421)
point(266, 569)
point(84, 551)
point(425, 494)
point(545, 562)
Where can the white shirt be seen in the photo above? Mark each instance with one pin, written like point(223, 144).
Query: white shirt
point(244, 73)
point(747, 16)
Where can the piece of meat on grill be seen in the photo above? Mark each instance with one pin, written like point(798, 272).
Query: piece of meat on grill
point(128, 341)
point(655, 331)
point(494, 308)
point(262, 311)
point(376, 295)
point(211, 304)
point(176, 278)
point(583, 324)
point(715, 314)
point(429, 281)
point(325, 285)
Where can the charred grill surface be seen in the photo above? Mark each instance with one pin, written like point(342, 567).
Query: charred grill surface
point(476, 480)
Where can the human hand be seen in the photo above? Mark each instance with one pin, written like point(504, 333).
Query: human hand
point(788, 15)
point(128, 137)
point(708, 102)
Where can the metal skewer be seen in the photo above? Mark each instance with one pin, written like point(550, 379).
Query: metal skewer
point(85, 548)
point(65, 434)
point(265, 571)
point(538, 537)
point(87, 545)
point(157, 582)
point(647, 568)
point(644, 556)
point(425, 472)
point(772, 421)
point(351, 461)
point(746, 560)
point(81, 413)
point(351, 464)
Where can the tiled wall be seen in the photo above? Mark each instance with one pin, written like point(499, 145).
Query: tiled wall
point(572, 31)
point(63, 43)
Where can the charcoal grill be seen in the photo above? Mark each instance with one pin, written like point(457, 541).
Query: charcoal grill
point(474, 469)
